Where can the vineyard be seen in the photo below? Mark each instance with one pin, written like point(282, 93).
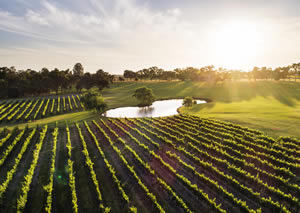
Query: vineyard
point(172, 164)
point(31, 109)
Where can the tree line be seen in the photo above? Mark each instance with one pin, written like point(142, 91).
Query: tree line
point(212, 74)
point(29, 82)
point(14, 84)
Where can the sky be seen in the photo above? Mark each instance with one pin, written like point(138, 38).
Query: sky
point(115, 35)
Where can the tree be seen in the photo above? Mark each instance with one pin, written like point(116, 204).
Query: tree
point(78, 87)
point(276, 74)
point(78, 70)
point(129, 74)
point(57, 79)
point(144, 95)
point(168, 75)
point(94, 102)
point(188, 102)
point(296, 70)
point(256, 73)
point(102, 79)
point(3, 88)
point(87, 81)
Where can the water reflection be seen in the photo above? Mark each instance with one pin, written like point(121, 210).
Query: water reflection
point(157, 109)
point(145, 111)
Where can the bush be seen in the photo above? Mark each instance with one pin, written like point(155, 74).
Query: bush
point(188, 102)
point(93, 101)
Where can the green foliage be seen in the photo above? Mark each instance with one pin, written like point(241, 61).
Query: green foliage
point(76, 106)
point(15, 112)
point(188, 101)
point(144, 95)
point(6, 138)
point(130, 168)
point(52, 106)
point(10, 147)
point(72, 182)
point(49, 187)
point(89, 163)
point(22, 200)
point(10, 110)
point(31, 110)
point(35, 108)
point(226, 167)
point(39, 108)
point(269, 203)
point(26, 108)
point(93, 101)
point(110, 167)
point(46, 107)
point(58, 104)
point(64, 100)
point(10, 174)
point(276, 104)
point(79, 101)
point(168, 166)
point(70, 104)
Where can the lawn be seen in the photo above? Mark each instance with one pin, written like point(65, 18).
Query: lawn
point(60, 120)
point(273, 107)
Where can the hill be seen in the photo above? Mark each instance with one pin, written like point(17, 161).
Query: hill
point(270, 106)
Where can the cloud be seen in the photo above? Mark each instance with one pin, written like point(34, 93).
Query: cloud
point(125, 19)
point(132, 34)
point(36, 18)
point(116, 32)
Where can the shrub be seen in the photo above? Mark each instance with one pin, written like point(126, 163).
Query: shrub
point(94, 102)
point(188, 102)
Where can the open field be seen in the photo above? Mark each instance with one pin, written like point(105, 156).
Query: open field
point(272, 107)
point(59, 120)
point(171, 164)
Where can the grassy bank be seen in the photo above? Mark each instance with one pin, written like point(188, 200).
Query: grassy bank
point(273, 107)
point(60, 120)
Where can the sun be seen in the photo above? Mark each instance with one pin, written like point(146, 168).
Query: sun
point(236, 43)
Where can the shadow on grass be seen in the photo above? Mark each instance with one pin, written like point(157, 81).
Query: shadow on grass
point(287, 93)
point(60, 120)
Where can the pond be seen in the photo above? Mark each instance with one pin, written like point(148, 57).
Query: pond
point(157, 109)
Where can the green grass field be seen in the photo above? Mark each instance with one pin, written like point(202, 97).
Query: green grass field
point(60, 120)
point(273, 107)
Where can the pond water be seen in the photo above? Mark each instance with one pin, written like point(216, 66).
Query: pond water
point(157, 109)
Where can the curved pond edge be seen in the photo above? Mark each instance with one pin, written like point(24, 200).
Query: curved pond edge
point(133, 114)
point(163, 99)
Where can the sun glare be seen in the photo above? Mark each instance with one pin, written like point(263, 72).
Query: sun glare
point(236, 44)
